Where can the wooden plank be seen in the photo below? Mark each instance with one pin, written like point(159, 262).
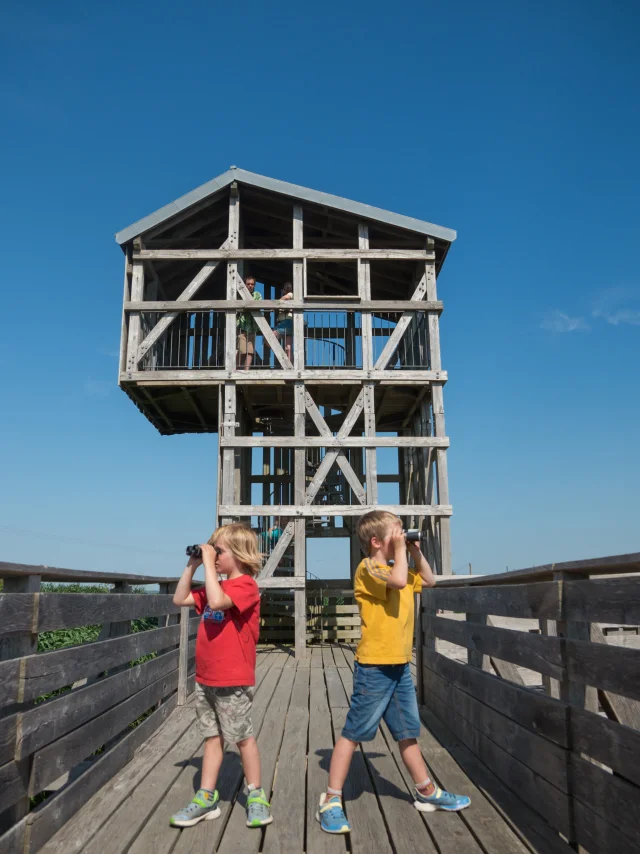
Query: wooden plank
point(237, 836)
point(596, 834)
point(49, 721)
point(333, 510)
point(546, 800)
point(319, 752)
point(54, 759)
point(539, 714)
point(297, 254)
point(538, 653)
point(620, 708)
point(368, 830)
point(163, 324)
point(51, 670)
point(528, 601)
point(493, 803)
point(269, 376)
point(606, 601)
point(614, 799)
point(284, 836)
point(69, 610)
point(608, 668)
point(335, 691)
point(79, 830)
point(369, 441)
point(348, 304)
point(56, 811)
point(609, 742)
point(12, 785)
point(545, 758)
point(16, 612)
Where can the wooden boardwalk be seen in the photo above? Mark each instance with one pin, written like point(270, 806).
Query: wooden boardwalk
point(300, 709)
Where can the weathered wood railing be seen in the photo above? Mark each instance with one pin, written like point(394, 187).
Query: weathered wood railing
point(564, 758)
point(71, 718)
point(332, 613)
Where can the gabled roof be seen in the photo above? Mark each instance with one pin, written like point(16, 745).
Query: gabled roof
point(283, 188)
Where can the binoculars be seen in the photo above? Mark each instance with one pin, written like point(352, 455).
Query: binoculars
point(413, 536)
point(193, 551)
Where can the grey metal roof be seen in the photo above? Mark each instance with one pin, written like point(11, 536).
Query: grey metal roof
point(285, 189)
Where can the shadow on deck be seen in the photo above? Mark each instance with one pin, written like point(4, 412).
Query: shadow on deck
point(299, 710)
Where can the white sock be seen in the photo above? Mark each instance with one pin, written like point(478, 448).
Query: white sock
point(333, 792)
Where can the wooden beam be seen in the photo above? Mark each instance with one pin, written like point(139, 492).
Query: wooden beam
point(187, 394)
point(278, 552)
point(310, 303)
point(395, 377)
point(296, 254)
point(300, 543)
point(162, 325)
point(334, 442)
point(135, 326)
point(309, 511)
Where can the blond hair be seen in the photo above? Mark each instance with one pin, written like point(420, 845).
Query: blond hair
point(242, 543)
point(377, 523)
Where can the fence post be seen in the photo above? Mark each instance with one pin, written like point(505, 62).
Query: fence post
point(183, 659)
point(17, 646)
point(418, 643)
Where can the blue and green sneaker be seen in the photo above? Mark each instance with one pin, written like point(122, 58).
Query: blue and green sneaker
point(331, 815)
point(203, 806)
point(258, 809)
point(440, 800)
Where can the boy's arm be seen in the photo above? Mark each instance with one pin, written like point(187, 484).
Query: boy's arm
point(183, 595)
point(422, 566)
point(217, 599)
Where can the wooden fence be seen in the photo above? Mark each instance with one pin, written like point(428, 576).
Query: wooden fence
point(71, 718)
point(566, 754)
point(332, 613)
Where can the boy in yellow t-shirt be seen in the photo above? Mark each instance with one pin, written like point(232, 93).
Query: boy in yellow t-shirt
point(382, 683)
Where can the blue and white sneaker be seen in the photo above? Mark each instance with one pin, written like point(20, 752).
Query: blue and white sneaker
point(331, 815)
point(440, 800)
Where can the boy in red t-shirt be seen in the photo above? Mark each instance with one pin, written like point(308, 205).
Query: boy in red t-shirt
point(225, 666)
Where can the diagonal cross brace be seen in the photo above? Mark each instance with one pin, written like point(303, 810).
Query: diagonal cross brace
point(163, 324)
point(401, 327)
point(329, 458)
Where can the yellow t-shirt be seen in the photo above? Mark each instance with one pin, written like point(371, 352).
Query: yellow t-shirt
point(386, 614)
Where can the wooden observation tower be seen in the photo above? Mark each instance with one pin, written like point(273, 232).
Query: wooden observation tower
point(305, 432)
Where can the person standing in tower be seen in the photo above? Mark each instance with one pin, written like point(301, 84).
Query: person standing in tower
point(246, 327)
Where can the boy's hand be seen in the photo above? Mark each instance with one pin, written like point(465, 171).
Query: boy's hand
point(398, 540)
point(193, 563)
point(208, 556)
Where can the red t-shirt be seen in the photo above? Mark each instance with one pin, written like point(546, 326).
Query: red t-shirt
point(226, 642)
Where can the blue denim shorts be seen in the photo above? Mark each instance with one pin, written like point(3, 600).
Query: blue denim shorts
point(382, 691)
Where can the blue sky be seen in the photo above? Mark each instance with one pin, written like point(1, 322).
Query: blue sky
point(515, 123)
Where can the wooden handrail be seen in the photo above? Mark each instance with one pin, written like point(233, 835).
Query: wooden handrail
point(82, 576)
point(614, 565)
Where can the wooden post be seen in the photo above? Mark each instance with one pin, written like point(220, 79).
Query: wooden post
point(418, 641)
point(17, 646)
point(228, 426)
point(364, 292)
point(575, 693)
point(183, 658)
point(137, 294)
point(300, 454)
point(444, 524)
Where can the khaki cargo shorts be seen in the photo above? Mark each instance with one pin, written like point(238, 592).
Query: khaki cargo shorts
point(246, 343)
point(224, 711)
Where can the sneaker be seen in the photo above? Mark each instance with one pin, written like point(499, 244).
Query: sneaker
point(440, 800)
point(203, 806)
point(258, 809)
point(331, 815)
